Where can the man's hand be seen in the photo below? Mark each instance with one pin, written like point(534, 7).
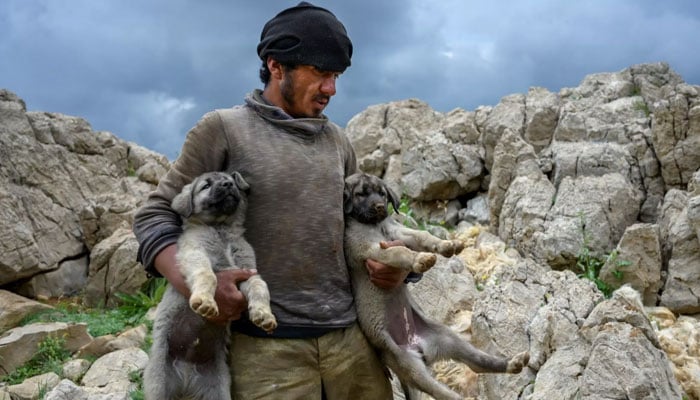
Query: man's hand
point(229, 299)
point(385, 276)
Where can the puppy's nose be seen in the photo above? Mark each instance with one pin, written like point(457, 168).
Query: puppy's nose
point(379, 207)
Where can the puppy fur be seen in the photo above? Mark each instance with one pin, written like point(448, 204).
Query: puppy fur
point(408, 341)
point(188, 357)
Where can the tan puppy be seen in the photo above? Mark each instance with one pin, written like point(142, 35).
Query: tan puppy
point(408, 340)
point(188, 356)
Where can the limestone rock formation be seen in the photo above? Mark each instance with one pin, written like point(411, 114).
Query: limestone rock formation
point(610, 168)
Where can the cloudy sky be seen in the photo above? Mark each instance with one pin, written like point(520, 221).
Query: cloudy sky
point(147, 70)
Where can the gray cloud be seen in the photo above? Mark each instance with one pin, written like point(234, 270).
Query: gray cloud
point(147, 71)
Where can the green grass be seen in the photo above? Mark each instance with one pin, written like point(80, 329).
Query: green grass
point(104, 321)
point(50, 356)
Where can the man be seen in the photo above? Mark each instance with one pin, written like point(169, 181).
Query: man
point(295, 160)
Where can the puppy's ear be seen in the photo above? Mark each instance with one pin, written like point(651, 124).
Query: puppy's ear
point(240, 182)
point(347, 200)
point(183, 203)
point(393, 198)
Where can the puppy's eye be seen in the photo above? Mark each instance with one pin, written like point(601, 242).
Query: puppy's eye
point(206, 186)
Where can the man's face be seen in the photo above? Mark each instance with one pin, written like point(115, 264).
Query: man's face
point(306, 90)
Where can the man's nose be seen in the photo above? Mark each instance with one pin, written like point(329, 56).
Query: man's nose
point(328, 86)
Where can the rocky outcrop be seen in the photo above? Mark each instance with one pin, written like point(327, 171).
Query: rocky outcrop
point(63, 189)
point(609, 168)
point(563, 172)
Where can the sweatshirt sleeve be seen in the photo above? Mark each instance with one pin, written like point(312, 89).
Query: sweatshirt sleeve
point(156, 225)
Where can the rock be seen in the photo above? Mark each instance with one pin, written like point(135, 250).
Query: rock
point(114, 269)
point(19, 345)
point(676, 136)
point(507, 116)
point(601, 207)
point(477, 210)
point(442, 293)
point(75, 369)
point(14, 308)
point(621, 336)
point(134, 337)
point(66, 390)
point(542, 115)
point(638, 260)
point(32, 388)
point(513, 158)
point(681, 249)
point(110, 373)
point(68, 279)
point(53, 166)
point(433, 163)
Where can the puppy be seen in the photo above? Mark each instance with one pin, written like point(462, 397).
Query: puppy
point(408, 341)
point(188, 358)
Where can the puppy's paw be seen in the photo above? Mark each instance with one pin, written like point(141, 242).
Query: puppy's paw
point(262, 317)
point(423, 262)
point(204, 305)
point(459, 245)
point(518, 362)
point(448, 248)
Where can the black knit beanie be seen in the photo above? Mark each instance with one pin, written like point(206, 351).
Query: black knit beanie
point(306, 35)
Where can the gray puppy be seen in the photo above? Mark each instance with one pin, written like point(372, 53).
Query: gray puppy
point(408, 341)
point(188, 358)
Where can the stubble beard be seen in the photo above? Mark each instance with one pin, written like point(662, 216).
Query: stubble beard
point(288, 94)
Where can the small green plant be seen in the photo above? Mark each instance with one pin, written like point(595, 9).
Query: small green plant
point(407, 211)
point(404, 208)
point(135, 306)
point(590, 265)
point(50, 356)
point(130, 170)
point(636, 91)
point(640, 105)
point(136, 377)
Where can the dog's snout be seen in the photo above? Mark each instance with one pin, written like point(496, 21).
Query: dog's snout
point(379, 207)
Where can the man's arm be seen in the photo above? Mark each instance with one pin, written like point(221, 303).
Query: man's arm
point(229, 299)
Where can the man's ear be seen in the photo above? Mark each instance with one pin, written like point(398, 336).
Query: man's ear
point(276, 69)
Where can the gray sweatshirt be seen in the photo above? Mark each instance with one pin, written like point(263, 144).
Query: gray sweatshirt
point(296, 169)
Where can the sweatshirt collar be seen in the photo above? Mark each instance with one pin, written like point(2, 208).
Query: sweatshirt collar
point(277, 116)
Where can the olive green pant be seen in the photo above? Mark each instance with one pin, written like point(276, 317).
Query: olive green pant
point(336, 366)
